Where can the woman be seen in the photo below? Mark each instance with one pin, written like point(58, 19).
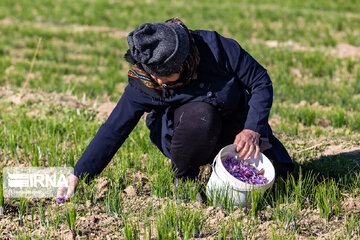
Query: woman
point(202, 92)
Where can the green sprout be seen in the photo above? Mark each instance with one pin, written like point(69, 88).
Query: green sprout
point(70, 214)
point(131, 230)
point(328, 200)
point(1, 197)
point(23, 208)
point(114, 203)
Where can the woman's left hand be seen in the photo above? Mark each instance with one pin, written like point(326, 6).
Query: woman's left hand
point(247, 142)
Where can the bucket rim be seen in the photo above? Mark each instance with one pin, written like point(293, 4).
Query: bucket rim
point(246, 186)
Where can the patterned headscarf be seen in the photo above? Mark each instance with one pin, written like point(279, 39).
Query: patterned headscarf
point(188, 70)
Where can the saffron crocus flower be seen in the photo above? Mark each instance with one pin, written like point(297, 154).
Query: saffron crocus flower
point(60, 200)
point(244, 172)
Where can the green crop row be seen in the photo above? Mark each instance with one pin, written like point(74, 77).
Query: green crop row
point(307, 115)
point(328, 81)
point(241, 19)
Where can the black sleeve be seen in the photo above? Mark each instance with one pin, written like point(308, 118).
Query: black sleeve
point(254, 78)
point(110, 136)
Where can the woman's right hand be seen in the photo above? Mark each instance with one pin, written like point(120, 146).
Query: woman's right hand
point(66, 192)
point(247, 142)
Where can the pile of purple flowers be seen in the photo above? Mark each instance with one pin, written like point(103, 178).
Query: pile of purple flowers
point(244, 172)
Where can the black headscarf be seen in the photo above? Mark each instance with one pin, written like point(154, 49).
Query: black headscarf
point(142, 80)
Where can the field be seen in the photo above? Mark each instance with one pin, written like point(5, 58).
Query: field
point(62, 72)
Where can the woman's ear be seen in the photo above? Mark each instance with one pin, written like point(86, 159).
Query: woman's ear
point(129, 58)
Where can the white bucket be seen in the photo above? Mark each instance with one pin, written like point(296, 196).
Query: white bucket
point(239, 192)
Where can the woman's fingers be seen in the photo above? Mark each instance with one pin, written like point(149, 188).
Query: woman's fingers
point(249, 152)
point(244, 150)
point(247, 141)
point(257, 151)
point(249, 149)
point(73, 182)
point(61, 192)
point(67, 191)
point(240, 146)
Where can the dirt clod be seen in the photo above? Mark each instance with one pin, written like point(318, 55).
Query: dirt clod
point(130, 191)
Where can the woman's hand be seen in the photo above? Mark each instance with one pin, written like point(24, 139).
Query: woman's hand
point(67, 192)
point(247, 142)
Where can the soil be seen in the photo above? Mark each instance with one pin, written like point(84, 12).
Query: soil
point(105, 109)
point(340, 149)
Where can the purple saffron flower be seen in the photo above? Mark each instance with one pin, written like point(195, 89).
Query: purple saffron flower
point(244, 172)
point(60, 200)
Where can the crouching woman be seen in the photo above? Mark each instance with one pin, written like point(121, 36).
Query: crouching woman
point(202, 92)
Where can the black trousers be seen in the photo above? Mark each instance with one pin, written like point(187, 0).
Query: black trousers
point(199, 134)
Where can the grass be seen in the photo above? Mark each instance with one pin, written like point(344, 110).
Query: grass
point(186, 190)
point(131, 230)
point(224, 199)
point(48, 115)
point(23, 207)
point(161, 182)
point(350, 225)
point(71, 213)
point(174, 221)
point(42, 215)
point(328, 200)
point(113, 202)
point(1, 197)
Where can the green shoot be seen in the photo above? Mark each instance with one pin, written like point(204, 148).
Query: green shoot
point(256, 197)
point(43, 219)
point(70, 214)
point(236, 230)
point(286, 217)
point(131, 230)
point(222, 231)
point(1, 197)
point(161, 183)
point(23, 206)
point(350, 221)
point(224, 198)
point(113, 202)
point(186, 190)
point(179, 221)
point(328, 200)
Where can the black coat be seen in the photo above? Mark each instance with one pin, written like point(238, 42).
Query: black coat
point(228, 78)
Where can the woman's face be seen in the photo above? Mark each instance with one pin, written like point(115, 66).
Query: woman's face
point(167, 79)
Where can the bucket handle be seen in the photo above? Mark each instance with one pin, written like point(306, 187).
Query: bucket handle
point(214, 162)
